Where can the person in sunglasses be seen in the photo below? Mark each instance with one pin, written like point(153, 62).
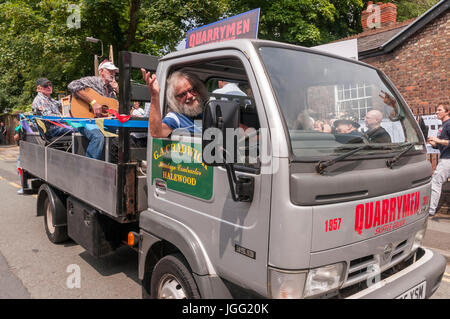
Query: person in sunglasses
point(185, 94)
point(44, 105)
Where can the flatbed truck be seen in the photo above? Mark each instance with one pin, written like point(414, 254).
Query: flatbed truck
point(297, 213)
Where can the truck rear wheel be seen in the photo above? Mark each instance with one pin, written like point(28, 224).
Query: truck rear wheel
point(172, 279)
point(56, 234)
point(50, 205)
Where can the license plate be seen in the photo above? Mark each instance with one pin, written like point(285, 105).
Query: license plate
point(417, 292)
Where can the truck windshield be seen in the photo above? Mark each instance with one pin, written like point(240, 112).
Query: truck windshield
point(331, 105)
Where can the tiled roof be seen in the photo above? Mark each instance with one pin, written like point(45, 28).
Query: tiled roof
point(383, 40)
point(374, 38)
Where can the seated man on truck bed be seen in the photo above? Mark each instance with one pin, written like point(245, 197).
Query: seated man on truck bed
point(186, 95)
point(44, 105)
point(106, 85)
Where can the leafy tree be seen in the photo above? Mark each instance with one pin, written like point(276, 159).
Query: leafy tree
point(313, 22)
point(37, 40)
point(304, 22)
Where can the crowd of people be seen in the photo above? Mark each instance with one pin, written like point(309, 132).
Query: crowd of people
point(346, 124)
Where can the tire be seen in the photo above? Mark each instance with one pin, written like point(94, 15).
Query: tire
point(56, 234)
point(172, 279)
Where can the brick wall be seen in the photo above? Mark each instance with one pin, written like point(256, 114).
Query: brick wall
point(420, 67)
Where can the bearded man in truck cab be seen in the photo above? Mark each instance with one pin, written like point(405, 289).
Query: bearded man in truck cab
point(185, 94)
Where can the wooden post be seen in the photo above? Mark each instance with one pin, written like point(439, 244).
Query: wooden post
point(96, 65)
point(111, 55)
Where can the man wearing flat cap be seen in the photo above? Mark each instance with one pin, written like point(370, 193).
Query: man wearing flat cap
point(347, 130)
point(44, 105)
point(105, 84)
point(347, 125)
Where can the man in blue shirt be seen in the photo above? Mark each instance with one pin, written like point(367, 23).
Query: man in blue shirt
point(186, 95)
point(442, 172)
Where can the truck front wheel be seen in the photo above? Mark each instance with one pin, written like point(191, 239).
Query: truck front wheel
point(172, 279)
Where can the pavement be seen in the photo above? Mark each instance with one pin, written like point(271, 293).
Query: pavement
point(8, 152)
point(437, 236)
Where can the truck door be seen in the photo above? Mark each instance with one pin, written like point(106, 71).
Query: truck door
point(233, 235)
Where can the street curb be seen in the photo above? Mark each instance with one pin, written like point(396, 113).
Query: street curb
point(444, 253)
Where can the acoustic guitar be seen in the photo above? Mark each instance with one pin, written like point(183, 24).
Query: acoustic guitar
point(80, 108)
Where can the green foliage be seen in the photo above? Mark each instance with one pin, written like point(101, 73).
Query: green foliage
point(313, 22)
point(304, 22)
point(37, 41)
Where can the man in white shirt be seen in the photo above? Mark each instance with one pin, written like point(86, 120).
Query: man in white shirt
point(229, 88)
point(136, 110)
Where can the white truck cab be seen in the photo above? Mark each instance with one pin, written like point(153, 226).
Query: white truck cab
point(330, 214)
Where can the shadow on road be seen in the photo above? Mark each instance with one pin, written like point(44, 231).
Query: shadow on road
point(123, 260)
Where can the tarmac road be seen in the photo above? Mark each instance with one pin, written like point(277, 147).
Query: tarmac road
point(32, 267)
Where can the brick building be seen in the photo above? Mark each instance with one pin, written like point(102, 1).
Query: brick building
point(414, 54)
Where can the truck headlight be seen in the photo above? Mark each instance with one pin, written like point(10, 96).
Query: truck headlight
point(286, 284)
point(324, 279)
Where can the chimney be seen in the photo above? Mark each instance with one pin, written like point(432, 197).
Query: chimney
point(378, 15)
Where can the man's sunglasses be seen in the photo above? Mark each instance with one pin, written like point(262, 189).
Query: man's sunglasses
point(46, 85)
point(183, 94)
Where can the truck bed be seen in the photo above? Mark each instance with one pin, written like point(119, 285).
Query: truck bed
point(98, 183)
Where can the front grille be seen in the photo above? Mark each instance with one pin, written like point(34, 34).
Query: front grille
point(363, 268)
point(398, 251)
point(350, 289)
point(359, 269)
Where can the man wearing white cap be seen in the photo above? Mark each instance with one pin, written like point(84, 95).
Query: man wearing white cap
point(106, 85)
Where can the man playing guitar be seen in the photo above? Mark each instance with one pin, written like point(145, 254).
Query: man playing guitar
point(104, 84)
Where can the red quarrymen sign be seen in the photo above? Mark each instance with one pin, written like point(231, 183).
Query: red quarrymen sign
point(242, 26)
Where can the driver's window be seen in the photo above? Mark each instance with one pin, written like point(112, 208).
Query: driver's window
point(240, 91)
point(221, 79)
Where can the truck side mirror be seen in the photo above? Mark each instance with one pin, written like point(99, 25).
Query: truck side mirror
point(219, 145)
point(219, 118)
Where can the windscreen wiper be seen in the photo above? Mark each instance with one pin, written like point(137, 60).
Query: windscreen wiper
point(391, 162)
point(320, 167)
